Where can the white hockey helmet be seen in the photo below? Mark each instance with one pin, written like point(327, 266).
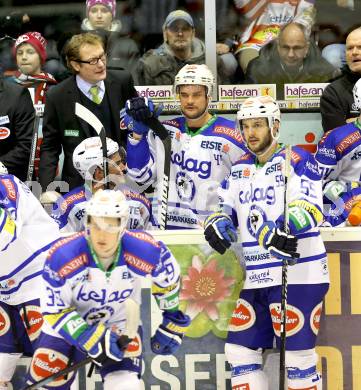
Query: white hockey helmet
point(109, 203)
point(259, 107)
point(193, 74)
point(357, 94)
point(3, 169)
point(89, 154)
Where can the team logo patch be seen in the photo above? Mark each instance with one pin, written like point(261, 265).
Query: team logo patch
point(95, 315)
point(185, 187)
point(256, 218)
point(35, 320)
point(4, 132)
point(316, 318)
point(243, 317)
point(294, 321)
point(47, 362)
point(4, 322)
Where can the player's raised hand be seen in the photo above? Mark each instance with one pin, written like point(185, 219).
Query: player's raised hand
point(169, 335)
point(220, 232)
point(142, 109)
point(279, 243)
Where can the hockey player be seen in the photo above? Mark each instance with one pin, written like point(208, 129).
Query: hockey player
point(252, 199)
point(69, 210)
point(204, 146)
point(88, 278)
point(26, 233)
point(339, 158)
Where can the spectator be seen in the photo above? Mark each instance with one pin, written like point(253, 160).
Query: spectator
point(291, 58)
point(30, 53)
point(266, 17)
point(16, 127)
point(122, 52)
point(180, 47)
point(11, 25)
point(337, 104)
point(103, 92)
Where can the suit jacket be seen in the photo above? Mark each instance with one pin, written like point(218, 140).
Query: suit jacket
point(63, 130)
point(16, 127)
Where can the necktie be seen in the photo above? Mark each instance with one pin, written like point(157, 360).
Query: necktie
point(94, 92)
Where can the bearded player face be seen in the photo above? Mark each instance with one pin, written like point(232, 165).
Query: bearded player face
point(193, 100)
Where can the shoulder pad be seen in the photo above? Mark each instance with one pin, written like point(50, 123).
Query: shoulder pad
point(141, 251)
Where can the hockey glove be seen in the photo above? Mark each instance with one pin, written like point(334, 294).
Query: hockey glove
point(279, 243)
point(101, 344)
point(220, 232)
point(135, 126)
point(142, 108)
point(168, 337)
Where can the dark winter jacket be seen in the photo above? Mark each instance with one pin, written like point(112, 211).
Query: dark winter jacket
point(267, 69)
point(16, 127)
point(337, 102)
point(122, 51)
point(160, 66)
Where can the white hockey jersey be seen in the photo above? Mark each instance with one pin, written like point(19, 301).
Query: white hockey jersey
point(339, 154)
point(254, 195)
point(69, 210)
point(339, 158)
point(199, 163)
point(76, 284)
point(26, 233)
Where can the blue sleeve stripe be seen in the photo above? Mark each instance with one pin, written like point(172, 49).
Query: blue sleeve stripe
point(27, 261)
point(299, 236)
point(15, 289)
point(279, 263)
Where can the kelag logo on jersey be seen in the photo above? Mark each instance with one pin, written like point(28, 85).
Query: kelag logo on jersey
point(185, 187)
point(257, 194)
point(203, 168)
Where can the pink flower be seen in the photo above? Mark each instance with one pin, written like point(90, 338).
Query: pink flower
point(203, 287)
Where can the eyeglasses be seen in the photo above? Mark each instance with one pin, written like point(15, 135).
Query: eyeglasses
point(94, 61)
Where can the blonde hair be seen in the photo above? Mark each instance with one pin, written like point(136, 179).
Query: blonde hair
point(72, 49)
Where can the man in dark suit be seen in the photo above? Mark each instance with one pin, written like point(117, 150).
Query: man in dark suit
point(103, 92)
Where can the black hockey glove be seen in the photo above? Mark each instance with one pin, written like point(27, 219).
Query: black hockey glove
point(279, 243)
point(220, 232)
